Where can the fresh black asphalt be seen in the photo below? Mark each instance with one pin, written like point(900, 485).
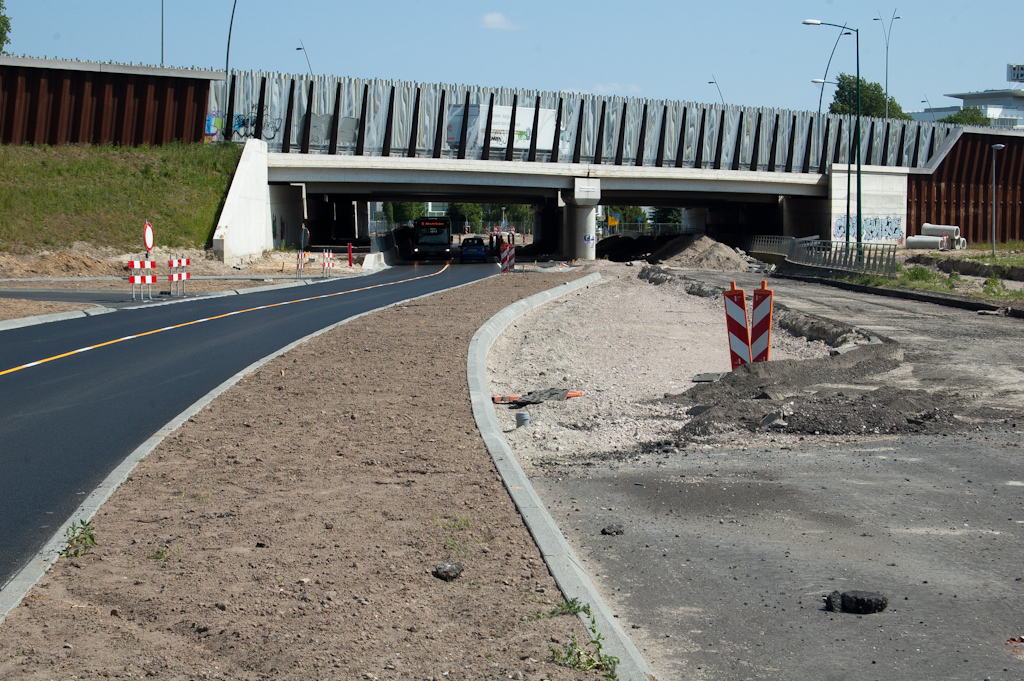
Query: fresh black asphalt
point(65, 424)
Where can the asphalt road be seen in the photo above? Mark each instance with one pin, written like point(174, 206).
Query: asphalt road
point(727, 551)
point(65, 424)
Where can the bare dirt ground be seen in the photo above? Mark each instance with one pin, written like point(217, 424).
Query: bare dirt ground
point(290, 530)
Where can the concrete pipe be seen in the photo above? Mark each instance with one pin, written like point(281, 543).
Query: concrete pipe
point(952, 231)
point(928, 242)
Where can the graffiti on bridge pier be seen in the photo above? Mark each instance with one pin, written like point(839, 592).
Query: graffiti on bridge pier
point(875, 228)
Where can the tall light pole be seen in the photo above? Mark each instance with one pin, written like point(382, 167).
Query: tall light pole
point(849, 116)
point(930, 108)
point(995, 148)
point(161, 33)
point(303, 48)
point(715, 81)
point(227, 59)
point(856, 32)
point(503, 218)
point(823, 80)
point(887, 32)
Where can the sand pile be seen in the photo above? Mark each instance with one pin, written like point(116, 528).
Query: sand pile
point(698, 253)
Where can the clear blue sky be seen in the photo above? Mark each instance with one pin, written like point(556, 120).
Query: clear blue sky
point(757, 50)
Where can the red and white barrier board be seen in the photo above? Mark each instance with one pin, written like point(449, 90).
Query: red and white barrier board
point(178, 275)
point(328, 261)
point(137, 266)
point(761, 324)
point(736, 325)
point(508, 258)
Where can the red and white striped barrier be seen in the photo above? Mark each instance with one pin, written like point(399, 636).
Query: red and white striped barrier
point(328, 261)
point(178, 274)
point(736, 324)
point(761, 324)
point(300, 262)
point(137, 278)
point(508, 258)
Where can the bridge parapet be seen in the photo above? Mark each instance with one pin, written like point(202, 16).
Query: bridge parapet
point(352, 116)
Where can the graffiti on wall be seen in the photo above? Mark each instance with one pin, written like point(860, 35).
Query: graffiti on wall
point(876, 228)
point(214, 127)
point(245, 125)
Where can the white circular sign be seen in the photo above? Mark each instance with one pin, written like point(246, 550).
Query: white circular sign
point(147, 236)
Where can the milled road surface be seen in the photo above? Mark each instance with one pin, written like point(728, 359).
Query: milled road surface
point(728, 550)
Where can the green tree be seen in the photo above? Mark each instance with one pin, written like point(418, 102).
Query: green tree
point(627, 215)
point(668, 215)
point(872, 99)
point(5, 28)
point(404, 212)
point(389, 212)
point(461, 213)
point(969, 115)
point(518, 215)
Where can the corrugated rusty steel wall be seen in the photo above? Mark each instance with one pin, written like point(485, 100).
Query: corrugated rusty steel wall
point(56, 106)
point(959, 192)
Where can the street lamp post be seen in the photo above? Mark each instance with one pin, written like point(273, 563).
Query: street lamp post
point(715, 81)
point(995, 148)
point(856, 32)
point(849, 116)
point(503, 218)
point(227, 59)
point(887, 32)
point(823, 80)
point(930, 108)
point(303, 48)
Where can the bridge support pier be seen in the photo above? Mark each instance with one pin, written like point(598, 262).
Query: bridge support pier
point(579, 237)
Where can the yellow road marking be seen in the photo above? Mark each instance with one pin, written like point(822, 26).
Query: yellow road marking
point(220, 316)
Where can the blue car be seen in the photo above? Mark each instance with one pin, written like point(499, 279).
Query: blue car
point(473, 248)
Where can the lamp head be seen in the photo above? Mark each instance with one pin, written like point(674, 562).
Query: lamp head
point(998, 147)
point(818, 81)
point(812, 22)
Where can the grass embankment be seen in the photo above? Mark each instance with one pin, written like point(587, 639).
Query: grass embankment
point(51, 197)
point(926, 279)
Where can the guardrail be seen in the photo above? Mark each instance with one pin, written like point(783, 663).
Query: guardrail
point(844, 256)
point(840, 256)
point(774, 245)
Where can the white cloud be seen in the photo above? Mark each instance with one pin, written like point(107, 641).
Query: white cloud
point(499, 22)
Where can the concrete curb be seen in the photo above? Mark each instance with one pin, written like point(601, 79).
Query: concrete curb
point(54, 317)
point(15, 590)
point(561, 560)
point(75, 314)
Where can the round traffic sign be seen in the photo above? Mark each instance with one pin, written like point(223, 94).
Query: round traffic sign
point(147, 236)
